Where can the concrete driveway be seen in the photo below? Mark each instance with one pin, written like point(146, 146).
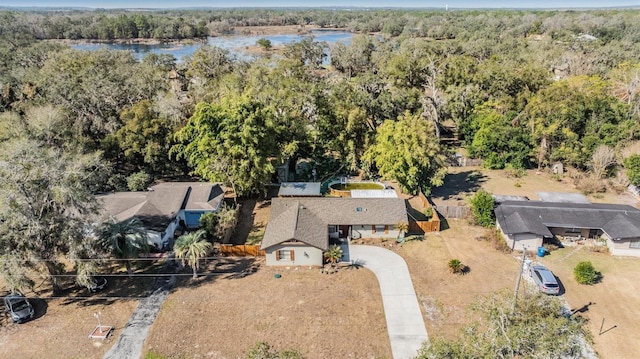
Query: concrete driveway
point(405, 324)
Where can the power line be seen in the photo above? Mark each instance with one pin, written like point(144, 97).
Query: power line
point(118, 260)
point(133, 275)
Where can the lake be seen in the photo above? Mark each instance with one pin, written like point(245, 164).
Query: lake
point(235, 43)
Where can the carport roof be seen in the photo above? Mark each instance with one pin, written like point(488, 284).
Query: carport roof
point(300, 189)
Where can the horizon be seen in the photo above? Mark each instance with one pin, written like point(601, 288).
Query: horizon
point(316, 4)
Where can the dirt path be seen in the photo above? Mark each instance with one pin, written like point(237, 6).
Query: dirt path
point(131, 341)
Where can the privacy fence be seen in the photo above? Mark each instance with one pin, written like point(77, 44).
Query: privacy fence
point(241, 250)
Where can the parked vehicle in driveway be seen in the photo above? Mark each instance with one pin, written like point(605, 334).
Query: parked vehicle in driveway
point(545, 279)
point(18, 307)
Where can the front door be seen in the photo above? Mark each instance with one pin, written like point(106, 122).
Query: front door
point(344, 231)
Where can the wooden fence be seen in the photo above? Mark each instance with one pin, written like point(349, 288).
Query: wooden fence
point(468, 162)
point(242, 250)
point(424, 226)
point(454, 211)
point(432, 225)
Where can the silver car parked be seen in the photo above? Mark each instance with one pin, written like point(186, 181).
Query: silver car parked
point(545, 279)
point(18, 307)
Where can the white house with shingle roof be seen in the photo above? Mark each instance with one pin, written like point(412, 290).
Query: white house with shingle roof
point(301, 229)
point(164, 206)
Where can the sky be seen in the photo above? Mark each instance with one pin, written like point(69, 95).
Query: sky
point(452, 4)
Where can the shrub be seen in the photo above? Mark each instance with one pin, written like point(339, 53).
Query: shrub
point(264, 43)
point(482, 208)
point(263, 350)
point(139, 181)
point(515, 172)
point(456, 266)
point(632, 165)
point(550, 247)
point(428, 212)
point(585, 273)
point(590, 185)
point(117, 182)
point(497, 240)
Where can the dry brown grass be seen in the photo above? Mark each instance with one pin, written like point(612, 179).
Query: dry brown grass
point(503, 183)
point(323, 316)
point(615, 299)
point(445, 297)
point(62, 325)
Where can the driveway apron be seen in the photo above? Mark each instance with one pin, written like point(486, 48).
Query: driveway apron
point(405, 324)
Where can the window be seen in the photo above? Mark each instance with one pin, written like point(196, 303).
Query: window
point(634, 244)
point(333, 229)
point(573, 230)
point(285, 255)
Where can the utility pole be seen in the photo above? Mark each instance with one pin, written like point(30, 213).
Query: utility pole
point(515, 292)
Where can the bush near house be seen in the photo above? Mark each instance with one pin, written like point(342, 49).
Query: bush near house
point(482, 204)
point(585, 273)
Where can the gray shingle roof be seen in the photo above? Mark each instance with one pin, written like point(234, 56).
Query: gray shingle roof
point(158, 207)
point(618, 221)
point(307, 219)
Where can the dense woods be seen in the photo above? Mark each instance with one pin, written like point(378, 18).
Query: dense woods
point(519, 89)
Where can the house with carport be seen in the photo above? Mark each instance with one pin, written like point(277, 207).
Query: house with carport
point(529, 223)
point(301, 229)
point(164, 207)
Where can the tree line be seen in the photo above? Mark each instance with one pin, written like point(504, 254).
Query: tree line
point(100, 24)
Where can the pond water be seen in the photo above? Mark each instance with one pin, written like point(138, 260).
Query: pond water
point(236, 44)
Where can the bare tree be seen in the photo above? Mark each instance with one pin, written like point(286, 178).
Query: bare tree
point(603, 157)
point(432, 99)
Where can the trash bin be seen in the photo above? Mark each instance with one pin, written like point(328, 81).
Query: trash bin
point(541, 251)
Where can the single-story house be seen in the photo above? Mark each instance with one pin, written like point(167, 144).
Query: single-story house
point(300, 230)
point(529, 223)
point(164, 207)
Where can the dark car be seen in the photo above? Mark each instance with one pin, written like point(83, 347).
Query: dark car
point(545, 279)
point(18, 307)
point(97, 284)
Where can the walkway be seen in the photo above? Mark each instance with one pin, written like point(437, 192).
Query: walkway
point(130, 342)
point(405, 325)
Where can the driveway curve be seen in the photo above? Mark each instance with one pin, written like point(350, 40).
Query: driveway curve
point(405, 324)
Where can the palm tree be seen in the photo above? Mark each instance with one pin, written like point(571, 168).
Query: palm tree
point(456, 266)
point(191, 248)
point(402, 228)
point(333, 254)
point(125, 240)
